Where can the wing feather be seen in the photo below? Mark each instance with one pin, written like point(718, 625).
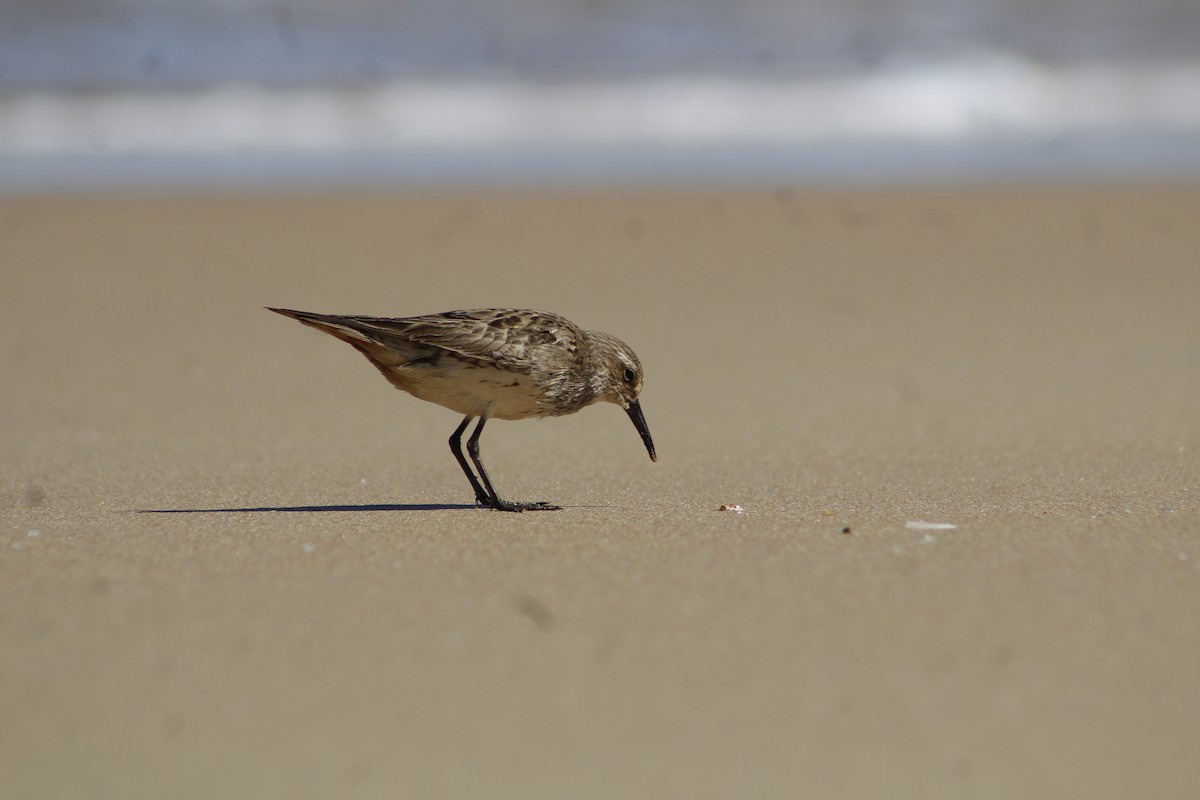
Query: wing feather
point(507, 338)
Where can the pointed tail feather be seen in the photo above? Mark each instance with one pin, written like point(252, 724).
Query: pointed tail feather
point(343, 328)
point(385, 358)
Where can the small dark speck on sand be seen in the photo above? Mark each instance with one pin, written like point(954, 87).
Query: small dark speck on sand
point(536, 611)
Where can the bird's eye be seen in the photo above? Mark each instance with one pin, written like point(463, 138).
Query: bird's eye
point(628, 375)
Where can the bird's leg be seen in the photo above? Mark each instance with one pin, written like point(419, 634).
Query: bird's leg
point(494, 499)
point(481, 496)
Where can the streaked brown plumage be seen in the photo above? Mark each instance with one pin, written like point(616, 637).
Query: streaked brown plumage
point(497, 362)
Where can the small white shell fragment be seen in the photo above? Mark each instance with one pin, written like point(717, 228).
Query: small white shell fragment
point(921, 525)
point(734, 507)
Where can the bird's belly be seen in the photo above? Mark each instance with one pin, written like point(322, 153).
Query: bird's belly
point(474, 390)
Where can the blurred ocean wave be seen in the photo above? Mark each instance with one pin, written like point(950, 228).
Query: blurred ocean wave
point(241, 91)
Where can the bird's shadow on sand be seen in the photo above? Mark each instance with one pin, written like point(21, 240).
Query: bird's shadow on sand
point(312, 509)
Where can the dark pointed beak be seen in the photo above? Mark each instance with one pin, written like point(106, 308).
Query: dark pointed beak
point(635, 413)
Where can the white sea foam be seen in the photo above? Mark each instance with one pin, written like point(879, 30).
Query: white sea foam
point(980, 114)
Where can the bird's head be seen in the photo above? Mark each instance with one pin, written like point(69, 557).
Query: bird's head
point(620, 381)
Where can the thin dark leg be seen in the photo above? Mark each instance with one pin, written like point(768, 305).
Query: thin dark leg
point(456, 447)
point(495, 501)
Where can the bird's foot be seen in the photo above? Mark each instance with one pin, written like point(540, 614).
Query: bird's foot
point(508, 505)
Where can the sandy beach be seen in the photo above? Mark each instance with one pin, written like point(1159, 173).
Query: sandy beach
point(234, 562)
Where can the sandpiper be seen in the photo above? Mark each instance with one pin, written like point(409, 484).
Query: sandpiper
point(502, 363)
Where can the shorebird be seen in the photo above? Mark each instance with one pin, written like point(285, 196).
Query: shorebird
point(501, 363)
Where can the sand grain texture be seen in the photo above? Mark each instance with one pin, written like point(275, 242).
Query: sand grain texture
point(319, 614)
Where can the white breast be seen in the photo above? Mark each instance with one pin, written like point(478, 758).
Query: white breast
point(473, 390)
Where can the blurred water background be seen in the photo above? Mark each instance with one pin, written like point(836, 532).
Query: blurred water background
point(436, 92)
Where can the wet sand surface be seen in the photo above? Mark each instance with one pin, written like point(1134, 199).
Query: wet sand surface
point(234, 562)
